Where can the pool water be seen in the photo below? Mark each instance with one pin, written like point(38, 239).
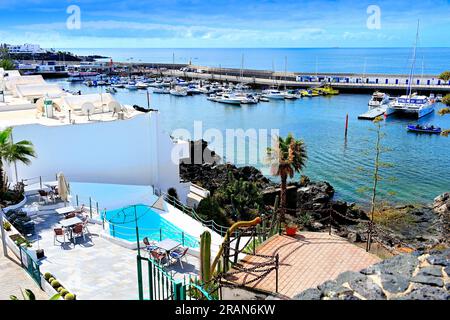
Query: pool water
point(150, 224)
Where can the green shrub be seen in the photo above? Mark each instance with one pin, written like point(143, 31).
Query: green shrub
point(7, 226)
point(51, 279)
point(445, 75)
point(55, 284)
point(64, 292)
point(47, 276)
point(446, 100)
point(61, 288)
point(69, 296)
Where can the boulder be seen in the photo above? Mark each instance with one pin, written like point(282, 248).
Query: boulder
point(441, 204)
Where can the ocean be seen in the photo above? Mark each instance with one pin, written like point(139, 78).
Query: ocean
point(339, 60)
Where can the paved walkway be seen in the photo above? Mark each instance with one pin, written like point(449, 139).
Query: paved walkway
point(306, 261)
point(13, 278)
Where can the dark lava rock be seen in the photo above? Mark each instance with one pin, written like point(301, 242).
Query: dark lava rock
point(394, 284)
point(333, 289)
point(423, 292)
point(348, 276)
point(404, 265)
point(429, 280)
point(367, 288)
point(447, 271)
point(434, 271)
point(439, 259)
point(309, 294)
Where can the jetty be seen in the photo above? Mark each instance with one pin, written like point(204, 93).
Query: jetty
point(372, 114)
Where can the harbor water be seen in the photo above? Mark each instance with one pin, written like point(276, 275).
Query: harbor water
point(420, 163)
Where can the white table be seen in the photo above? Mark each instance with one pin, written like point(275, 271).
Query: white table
point(168, 245)
point(69, 223)
point(65, 210)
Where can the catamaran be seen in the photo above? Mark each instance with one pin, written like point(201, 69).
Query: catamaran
point(411, 103)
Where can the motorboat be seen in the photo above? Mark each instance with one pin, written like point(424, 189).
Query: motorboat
point(141, 85)
point(161, 90)
point(379, 99)
point(179, 92)
point(424, 129)
point(274, 94)
point(228, 98)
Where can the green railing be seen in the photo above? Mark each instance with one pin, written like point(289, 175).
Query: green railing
point(210, 224)
point(30, 265)
point(162, 285)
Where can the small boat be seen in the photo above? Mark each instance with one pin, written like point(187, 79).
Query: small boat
point(179, 92)
point(111, 90)
point(161, 90)
point(379, 99)
point(424, 129)
point(141, 85)
point(329, 90)
point(230, 99)
point(274, 94)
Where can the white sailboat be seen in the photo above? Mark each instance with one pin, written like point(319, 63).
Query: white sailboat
point(411, 103)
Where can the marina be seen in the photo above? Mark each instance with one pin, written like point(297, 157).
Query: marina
point(321, 121)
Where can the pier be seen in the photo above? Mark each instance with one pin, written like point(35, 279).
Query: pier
point(344, 82)
point(372, 114)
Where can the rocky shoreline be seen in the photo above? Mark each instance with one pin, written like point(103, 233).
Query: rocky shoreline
point(415, 276)
point(407, 227)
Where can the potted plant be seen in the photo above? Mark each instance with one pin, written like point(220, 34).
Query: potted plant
point(7, 226)
point(291, 229)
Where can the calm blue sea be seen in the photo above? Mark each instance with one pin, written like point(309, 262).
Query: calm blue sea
point(354, 60)
point(421, 163)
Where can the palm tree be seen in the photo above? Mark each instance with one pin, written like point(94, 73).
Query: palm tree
point(10, 152)
point(286, 158)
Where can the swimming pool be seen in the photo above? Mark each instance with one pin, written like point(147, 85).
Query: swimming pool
point(150, 224)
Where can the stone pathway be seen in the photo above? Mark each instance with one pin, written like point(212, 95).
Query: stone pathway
point(305, 262)
point(13, 278)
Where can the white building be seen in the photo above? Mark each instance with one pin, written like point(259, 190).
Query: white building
point(25, 48)
point(91, 138)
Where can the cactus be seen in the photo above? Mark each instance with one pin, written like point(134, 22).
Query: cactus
point(205, 256)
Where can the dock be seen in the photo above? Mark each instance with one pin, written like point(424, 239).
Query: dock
point(372, 114)
point(393, 84)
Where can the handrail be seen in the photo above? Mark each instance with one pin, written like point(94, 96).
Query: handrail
point(211, 224)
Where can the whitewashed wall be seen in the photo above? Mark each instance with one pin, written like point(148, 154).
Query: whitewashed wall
point(119, 152)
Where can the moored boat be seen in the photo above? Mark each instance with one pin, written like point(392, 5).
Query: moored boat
point(424, 129)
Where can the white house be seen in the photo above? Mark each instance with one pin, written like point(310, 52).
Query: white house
point(90, 138)
point(25, 48)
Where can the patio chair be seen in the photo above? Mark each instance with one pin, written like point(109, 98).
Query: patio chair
point(158, 255)
point(43, 195)
point(70, 215)
point(85, 226)
point(149, 246)
point(178, 255)
point(77, 232)
point(58, 232)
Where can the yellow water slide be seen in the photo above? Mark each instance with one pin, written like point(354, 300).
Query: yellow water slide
point(237, 225)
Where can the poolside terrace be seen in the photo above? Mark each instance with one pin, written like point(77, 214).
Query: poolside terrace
point(94, 267)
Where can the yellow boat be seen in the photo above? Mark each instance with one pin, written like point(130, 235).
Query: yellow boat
point(330, 90)
point(308, 93)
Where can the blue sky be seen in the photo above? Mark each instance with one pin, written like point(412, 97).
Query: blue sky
point(224, 23)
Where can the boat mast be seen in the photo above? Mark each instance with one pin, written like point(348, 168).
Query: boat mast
point(285, 72)
point(411, 74)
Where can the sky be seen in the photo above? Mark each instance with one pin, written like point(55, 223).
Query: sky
point(224, 23)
